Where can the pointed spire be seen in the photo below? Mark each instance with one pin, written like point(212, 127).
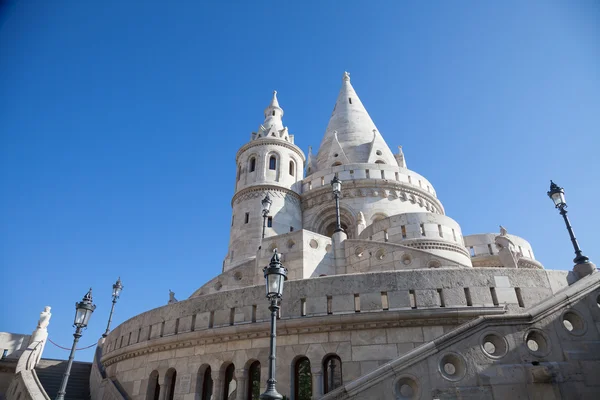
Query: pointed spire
point(351, 136)
point(354, 131)
point(273, 115)
point(274, 102)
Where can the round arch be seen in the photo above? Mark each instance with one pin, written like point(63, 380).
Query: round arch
point(325, 220)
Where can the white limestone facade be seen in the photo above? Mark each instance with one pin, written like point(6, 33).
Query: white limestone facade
point(402, 305)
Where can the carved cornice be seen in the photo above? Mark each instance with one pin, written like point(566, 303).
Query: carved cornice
point(382, 188)
point(302, 325)
point(275, 142)
point(256, 191)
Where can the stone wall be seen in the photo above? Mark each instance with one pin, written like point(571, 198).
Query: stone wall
point(365, 319)
point(552, 351)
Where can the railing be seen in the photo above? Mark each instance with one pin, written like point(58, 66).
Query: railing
point(101, 387)
point(26, 385)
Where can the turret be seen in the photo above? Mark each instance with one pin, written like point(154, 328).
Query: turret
point(269, 163)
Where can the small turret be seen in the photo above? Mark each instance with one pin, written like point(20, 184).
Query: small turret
point(269, 164)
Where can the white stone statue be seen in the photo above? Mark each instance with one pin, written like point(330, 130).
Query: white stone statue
point(44, 318)
point(503, 231)
point(172, 298)
point(507, 251)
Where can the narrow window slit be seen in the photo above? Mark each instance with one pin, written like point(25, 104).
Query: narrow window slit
point(356, 302)
point(303, 307)
point(193, 326)
point(329, 305)
point(468, 297)
point(231, 315)
point(177, 326)
point(384, 301)
point(254, 313)
point(519, 297)
point(494, 296)
point(441, 296)
point(162, 329)
point(211, 319)
point(412, 298)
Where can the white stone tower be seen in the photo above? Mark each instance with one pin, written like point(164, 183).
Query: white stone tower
point(270, 163)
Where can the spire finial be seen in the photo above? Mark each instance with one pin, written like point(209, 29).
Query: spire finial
point(346, 77)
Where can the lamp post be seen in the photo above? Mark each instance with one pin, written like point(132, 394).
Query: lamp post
point(557, 194)
point(275, 275)
point(117, 287)
point(83, 312)
point(266, 206)
point(336, 186)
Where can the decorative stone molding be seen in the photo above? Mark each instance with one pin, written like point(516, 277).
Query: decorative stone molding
point(255, 192)
point(381, 188)
point(268, 141)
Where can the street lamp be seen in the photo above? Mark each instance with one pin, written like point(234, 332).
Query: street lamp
point(557, 194)
point(336, 186)
point(117, 287)
point(83, 312)
point(266, 206)
point(275, 275)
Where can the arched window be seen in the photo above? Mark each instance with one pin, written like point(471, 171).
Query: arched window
point(229, 383)
point(205, 383)
point(254, 381)
point(170, 381)
point(153, 387)
point(273, 163)
point(302, 379)
point(252, 164)
point(292, 168)
point(332, 373)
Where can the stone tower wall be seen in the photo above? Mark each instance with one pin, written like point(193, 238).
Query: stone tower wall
point(283, 185)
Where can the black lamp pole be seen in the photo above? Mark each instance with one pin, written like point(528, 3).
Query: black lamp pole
point(117, 287)
point(266, 206)
point(336, 186)
point(83, 312)
point(275, 275)
point(557, 194)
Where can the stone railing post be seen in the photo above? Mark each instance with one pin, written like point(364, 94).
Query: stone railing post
point(241, 375)
point(317, 383)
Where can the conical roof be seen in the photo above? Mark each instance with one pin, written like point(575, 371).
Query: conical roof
point(351, 136)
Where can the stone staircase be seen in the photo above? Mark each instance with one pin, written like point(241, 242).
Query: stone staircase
point(50, 373)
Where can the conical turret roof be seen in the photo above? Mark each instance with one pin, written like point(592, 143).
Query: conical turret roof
point(351, 136)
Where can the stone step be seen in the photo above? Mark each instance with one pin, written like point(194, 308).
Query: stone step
point(50, 373)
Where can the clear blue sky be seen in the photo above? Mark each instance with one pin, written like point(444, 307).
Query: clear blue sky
point(120, 120)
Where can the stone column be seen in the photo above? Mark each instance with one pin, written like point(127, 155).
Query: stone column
point(317, 383)
point(217, 389)
point(339, 253)
point(162, 394)
point(241, 376)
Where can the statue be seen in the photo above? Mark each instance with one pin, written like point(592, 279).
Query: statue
point(172, 298)
point(507, 252)
point(503, 231)
point(346, 76)
point(44, 318)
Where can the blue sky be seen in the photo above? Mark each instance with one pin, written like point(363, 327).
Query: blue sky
point(119, 124)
